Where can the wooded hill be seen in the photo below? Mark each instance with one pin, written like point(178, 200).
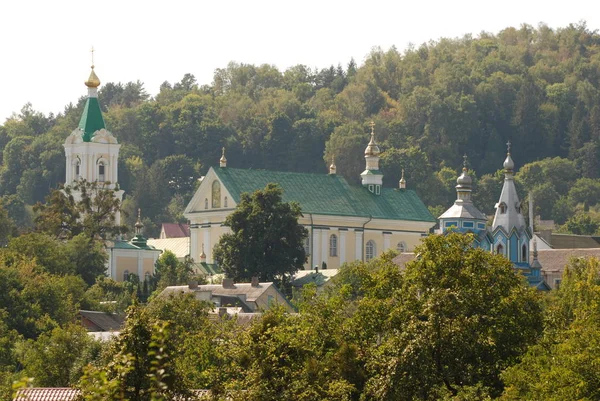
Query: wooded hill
point(537, 87)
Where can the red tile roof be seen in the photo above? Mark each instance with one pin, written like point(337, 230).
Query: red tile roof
point(174, 230)
point(47, 394)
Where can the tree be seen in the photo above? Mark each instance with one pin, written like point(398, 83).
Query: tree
point(563, 365)
point(266, 240)
point(94, 214)
point(171, 271)
point(457, 318)
point(56, 358)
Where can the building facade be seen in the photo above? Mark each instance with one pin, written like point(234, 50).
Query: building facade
point(92, 154)
point(345, 222)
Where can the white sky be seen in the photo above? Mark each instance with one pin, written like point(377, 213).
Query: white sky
point(44, 45)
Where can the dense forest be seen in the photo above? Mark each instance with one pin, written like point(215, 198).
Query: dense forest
point(537, 87)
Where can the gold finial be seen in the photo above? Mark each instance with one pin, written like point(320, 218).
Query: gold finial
point(332, 167)
point(203, 255)
point(402, 181)
point(223, 160)
point(372, 148)
point(138, 224)
point(93, 80)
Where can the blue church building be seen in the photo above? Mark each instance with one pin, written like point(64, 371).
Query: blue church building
point(508, 235)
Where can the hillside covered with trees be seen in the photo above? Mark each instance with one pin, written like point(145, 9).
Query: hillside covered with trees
point(537, 87)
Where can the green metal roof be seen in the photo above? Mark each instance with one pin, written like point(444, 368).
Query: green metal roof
point(328, 194)
point(119, 244)
point(91, 119)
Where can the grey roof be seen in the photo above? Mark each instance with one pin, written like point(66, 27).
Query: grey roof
point(555, 260)
point(251, 293)
point(511, 219)
point(465, 210)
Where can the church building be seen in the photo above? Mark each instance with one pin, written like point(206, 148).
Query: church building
point(345, 222)
point(508, 235)
point(92, 154)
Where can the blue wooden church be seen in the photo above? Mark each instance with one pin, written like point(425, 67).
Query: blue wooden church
point(508, 235)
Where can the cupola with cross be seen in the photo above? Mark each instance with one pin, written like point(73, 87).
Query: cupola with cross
point(372, 177)
point(92, 152)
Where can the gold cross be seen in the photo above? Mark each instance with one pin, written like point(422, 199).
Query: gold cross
point(92, 51)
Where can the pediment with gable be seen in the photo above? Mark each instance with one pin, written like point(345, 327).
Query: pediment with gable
point(202, 201)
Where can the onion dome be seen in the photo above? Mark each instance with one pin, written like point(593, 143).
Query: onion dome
point(509, 165)
point(332, 167)
point(93, 81)
point(372, 148)
point(464, 180)
point(223, 159)
point(402, 183)
point(203, 255)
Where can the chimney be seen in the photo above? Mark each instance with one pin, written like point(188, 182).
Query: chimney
point(228, 283)
point(193, 284)
point(254, 282)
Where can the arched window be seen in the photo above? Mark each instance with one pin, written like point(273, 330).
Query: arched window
point(307, 246)
point(502, 207)
point(370, 250)
point(77, 169)
point(216, 194)
point(524, 253)
point(500, 249)
point(101, 171)
point(147, 276)
point(126, 275)
point(518, 207)
point(333, 245)
point(225, 202)
point(401, 247)
point(206, 203)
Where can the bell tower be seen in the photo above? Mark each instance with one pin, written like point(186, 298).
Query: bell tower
point(92, 152)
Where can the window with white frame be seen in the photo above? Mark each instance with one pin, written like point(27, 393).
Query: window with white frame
point(401, 247)
point(333, 245)
point(126, 275)
point(225, 202)
point(101, 171)
point(370, 250)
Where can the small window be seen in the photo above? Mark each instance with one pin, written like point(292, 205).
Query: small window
point(468, 224)
point(77, 167)
point(481, 226)
point(307, 246)
point(518, 207)
point(126, 275)
point(451, 224)
point(216, 194)
point(500, 249)
point(377, 189)
point(333, 245)
point(371, 188)
point(556, 283)
point(502, 207)
point(101, 171)
point(370, 250)
point(206, 203)
point(401, 247)
point(225, 202)
point(524, 253)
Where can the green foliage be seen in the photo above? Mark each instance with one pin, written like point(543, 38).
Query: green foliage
point(56, 358)
point(93, 215)
point(171, 271)
point(563, 365)
point(266, 240)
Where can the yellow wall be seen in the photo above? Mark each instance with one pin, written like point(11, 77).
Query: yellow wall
point(125, 263)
